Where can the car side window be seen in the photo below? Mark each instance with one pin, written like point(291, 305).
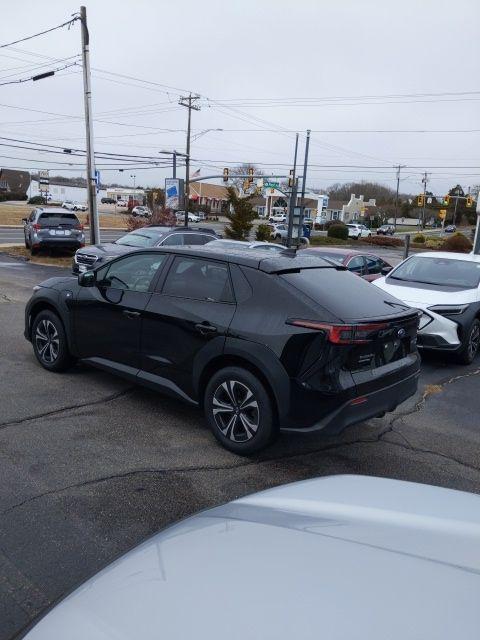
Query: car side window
point(132, 273)
point(196, 238)
point(356, 265)
point(199, 279)
point(175, 240)
point(374, 264)
point(32, 216)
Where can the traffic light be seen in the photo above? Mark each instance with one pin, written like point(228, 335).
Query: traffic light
point(225, 174)
point(446, 200)
point(469, 202)
point(250, 175)
point(290, 179)
point(420, 200)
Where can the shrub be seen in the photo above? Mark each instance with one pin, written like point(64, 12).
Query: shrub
point(383, 241)
point(457, 242)
point(434, 243)
point(37, 200)
point(320, 241)
point(331, 223)
point(136, 223)
point(263, 233)
point(419, 237)
point(339, 231)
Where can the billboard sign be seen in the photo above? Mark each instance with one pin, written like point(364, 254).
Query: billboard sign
point(174, 193)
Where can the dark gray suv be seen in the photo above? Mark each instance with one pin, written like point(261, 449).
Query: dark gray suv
point(143, 238)
point(52, 227)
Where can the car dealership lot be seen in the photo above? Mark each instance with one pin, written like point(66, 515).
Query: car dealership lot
point(91, 465)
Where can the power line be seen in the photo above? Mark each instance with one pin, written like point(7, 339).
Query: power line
point(40, 33)
point(71, 64)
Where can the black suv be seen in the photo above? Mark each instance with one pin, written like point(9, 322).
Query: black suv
point(261, 343)
point(142, 238)
point(52, 228)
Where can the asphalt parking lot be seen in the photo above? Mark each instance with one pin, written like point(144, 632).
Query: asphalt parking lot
point(90, 466)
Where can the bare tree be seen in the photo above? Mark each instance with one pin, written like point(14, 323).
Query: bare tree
point(242, 170)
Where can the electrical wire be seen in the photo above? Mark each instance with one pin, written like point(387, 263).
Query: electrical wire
point(71, 64)
point(41, 33)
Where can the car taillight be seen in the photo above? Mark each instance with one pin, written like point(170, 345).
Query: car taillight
point(36, 226)
point(79, 227)
point(342, 333)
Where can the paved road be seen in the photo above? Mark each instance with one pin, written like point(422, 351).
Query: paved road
point(90, 466)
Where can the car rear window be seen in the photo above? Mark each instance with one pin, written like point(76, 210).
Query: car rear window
point(344, 294)
point(140, 238)
point(49, 218)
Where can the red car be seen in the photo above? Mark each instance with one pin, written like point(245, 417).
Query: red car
point(366, 265)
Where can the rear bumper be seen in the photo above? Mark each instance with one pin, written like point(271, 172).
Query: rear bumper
point(65, 243)
point(363, 408)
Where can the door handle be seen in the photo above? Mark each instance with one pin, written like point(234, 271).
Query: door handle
point(131, 314)
point(204, 328)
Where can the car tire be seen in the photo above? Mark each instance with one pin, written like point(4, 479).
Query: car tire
point(470, 344)
point(253, 428)
point(33, 250)
point(50, 342)
point(358, 237)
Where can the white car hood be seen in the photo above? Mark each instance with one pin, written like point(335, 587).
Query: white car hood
point(333, 558)
point(417, 297)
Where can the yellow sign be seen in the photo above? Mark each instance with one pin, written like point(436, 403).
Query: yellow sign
point(442, 214)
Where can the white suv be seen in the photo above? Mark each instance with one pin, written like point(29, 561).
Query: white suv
point(445, 287)
point(74, 206)
point(358, 231)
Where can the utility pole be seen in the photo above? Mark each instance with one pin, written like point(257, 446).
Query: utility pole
point(189, 103)
point(293, 195)
point(476, 241)
point(305, 164)
point(399, 168)
point(424, 180)
point(455, 210)
point(87, 90)
point(174, 164)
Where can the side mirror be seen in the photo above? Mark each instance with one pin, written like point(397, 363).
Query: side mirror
point(25, 220)
point(386, 270)
point(87, 279)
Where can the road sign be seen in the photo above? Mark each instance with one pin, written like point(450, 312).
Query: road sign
point(174, 193)
point(43, 181)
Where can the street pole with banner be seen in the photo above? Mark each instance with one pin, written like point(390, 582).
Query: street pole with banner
point(174, 193)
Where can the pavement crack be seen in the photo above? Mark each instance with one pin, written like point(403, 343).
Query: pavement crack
point(79, 405)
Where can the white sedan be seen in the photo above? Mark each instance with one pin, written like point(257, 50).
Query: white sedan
point(445, 287)
point(358, 231)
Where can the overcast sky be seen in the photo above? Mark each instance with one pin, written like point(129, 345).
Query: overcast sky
point(264, 69)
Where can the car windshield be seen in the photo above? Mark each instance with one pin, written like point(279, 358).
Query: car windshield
point(439, 271)
point(140, 238)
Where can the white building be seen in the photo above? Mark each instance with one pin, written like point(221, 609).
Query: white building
point(61, 192)
point(356, 208)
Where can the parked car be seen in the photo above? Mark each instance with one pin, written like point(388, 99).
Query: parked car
point(367, 265)
point(71, 205)
point(122, 203)
point(108, 201)
point(52, 227)
point(358, 231)
point(260, 342)
point(278, 217)
point(192, 217)
point(451, 228)
point(445, 287)
point(142, 238)
point(359, 557)
point(141, 212)
point(280, 232)
point(386, 230)
point(239, 245)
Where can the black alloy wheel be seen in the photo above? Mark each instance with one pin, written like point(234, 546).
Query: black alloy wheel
point(238, 410)
point(50, 342)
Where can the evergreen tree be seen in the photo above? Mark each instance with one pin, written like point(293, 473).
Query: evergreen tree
point(240, 215)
